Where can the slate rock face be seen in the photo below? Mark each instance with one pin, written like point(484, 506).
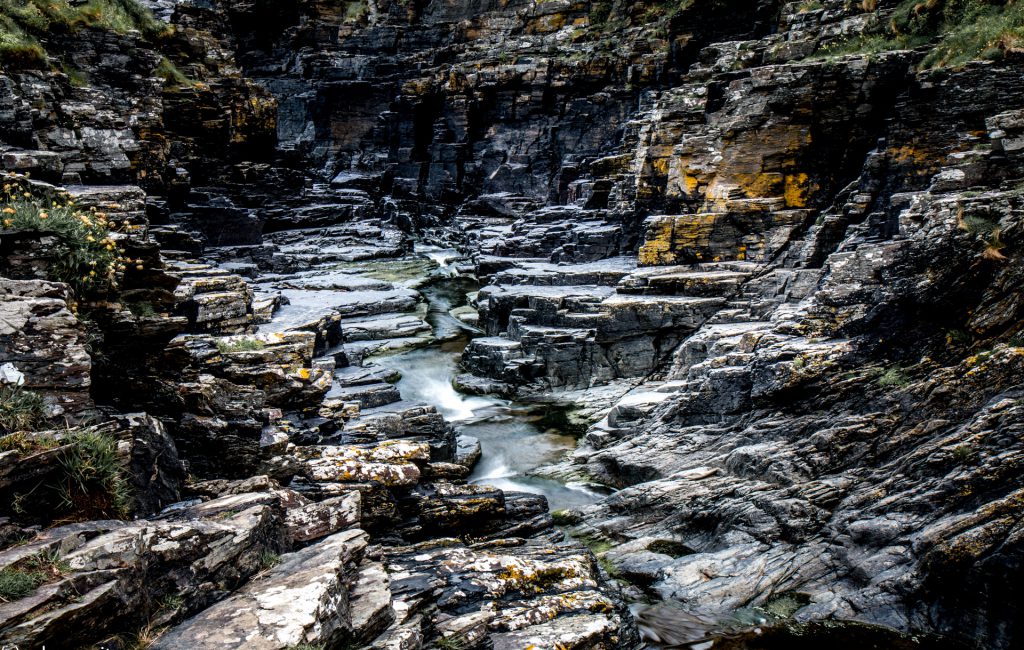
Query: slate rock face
point(778, 276)
point(46, 343)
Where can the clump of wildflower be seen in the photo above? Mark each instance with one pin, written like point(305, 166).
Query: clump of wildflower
point(89, 259)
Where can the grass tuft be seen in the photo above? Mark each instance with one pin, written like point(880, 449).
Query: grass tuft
point(20, 410)
point(893, 378)
point(16, 584)
point(241, 345)
point(451, 642)
point(25, 24)
point(94, 484)
point(958, 31)
point(268, 560)
point(172, 76)
point(964, 454)
point(26, 445)
point(22, 579)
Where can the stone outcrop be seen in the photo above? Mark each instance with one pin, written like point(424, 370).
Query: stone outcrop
point(44, 341)
point(763, 248)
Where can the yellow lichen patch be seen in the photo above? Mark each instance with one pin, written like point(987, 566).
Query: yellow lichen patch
point(657, 246)
point(667, 235)
point(547, 24)
point(273, 337)
point(694, 230)
point(797, 190)
point(908, 154)
point(690, 183)
point(761, 185)
point(660, 165)
point(417, 86)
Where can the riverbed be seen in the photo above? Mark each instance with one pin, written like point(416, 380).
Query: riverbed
point(513, 437)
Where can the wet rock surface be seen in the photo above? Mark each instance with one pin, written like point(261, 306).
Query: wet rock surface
point(775, 278)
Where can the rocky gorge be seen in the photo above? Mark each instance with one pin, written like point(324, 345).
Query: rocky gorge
point(511, 324)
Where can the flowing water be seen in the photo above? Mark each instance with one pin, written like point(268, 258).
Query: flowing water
point(512, 436)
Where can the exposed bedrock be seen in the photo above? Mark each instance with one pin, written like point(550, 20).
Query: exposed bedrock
point(768, 253)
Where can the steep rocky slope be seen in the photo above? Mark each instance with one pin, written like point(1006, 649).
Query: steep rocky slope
point(767, 252)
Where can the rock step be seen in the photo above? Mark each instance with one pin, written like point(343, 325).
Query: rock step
point(683, 281)
point(362, 375)
point(370, 611)
point(606, 272)
point(305, 600)
point(382, 327)
point(534, 594)
point(367, 395)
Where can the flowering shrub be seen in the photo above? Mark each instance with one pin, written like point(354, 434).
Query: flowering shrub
point(89, 258)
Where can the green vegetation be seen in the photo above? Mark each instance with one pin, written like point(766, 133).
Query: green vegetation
point(565, 517)
point(958, 337)
point(25, 23)
point(959, 31)
point(26, 444)
point(268, 560)
point(142, 639)
point(893, 378)
point(20, 410)
point(88, 258)
point(16, 583)
point(241, 345)
point(77, 77)
point(785, 605)
point(609, 567)
point(963, 454)
point(453, 642)
point(93, 485)
point(142, 309)
point(24, 578)
point(595, 544)
point(987, 229)
point(171, 602)
point(355, 11)
point(172, 76)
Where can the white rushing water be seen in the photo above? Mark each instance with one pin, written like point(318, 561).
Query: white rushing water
point(511, 439)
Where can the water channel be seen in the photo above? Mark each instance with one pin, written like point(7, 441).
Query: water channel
point(513, 436)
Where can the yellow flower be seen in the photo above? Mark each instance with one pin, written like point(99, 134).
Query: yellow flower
point(9, 210)
point(43, 215)
point(92, 274)
point(90, 238)
point(138, 267)
point(27, 195)
point(8, 223)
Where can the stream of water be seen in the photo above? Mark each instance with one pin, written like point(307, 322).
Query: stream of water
point(512, 436)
